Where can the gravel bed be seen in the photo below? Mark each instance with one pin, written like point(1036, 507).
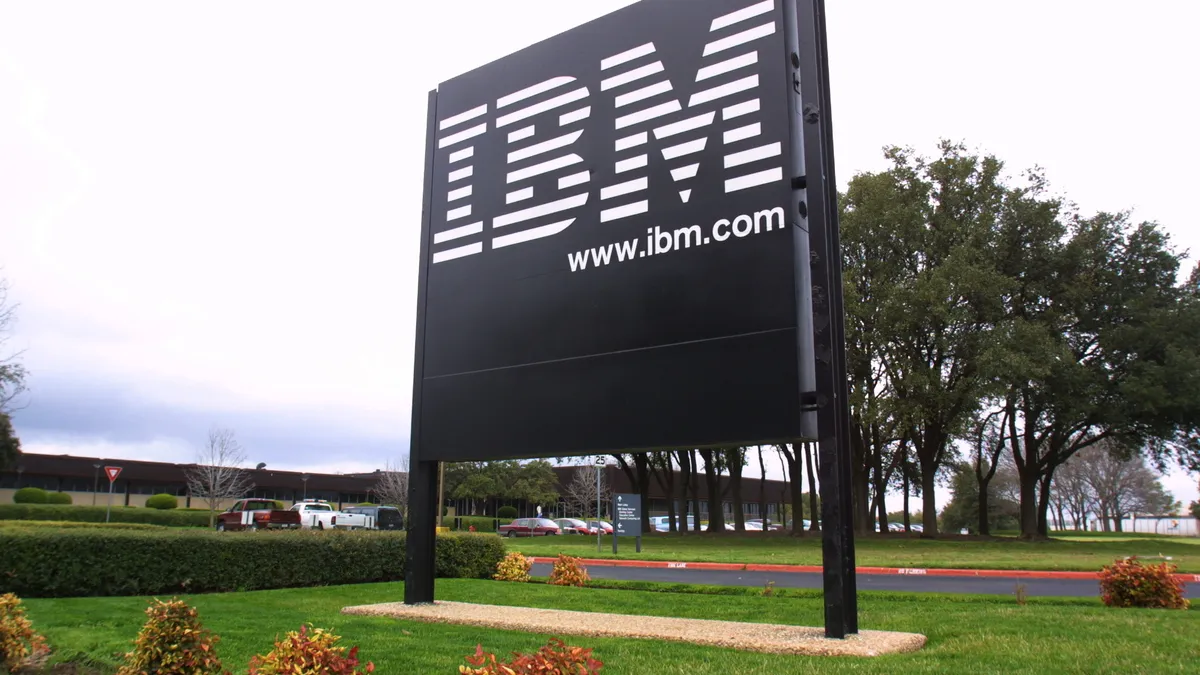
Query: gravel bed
point(758, 637)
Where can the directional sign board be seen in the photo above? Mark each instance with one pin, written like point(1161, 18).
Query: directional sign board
point(112, 472)
point(610, 245)
point(627, 511)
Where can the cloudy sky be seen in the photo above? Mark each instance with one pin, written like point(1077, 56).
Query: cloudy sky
point(209, 211)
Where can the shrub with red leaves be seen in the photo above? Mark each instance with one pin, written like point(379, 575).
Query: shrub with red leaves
point(305, 653)
point(556, 658)
point(1129, 583)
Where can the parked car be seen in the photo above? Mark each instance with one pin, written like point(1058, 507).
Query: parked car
point(257, 514)
point(605, 525)
point(316, 514)
point(574, 526)
point(378, 517)
point(663, 523)
point(758, 523)
point(529, 527)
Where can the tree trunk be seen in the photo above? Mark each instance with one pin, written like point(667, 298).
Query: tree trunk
point(1044, 504)
point(642, 463)
point(860, 516)
point(685, 481)
point(928, 500)
point(881, 481)
point(733, 458)
point(984, 524)
point(762, 491)
point(907, 490)
point(813, 508)
point(695, 490)
point(1028, 479)
point(716, 514)
point(796, 486)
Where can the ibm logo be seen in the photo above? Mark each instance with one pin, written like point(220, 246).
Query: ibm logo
point(545, 122)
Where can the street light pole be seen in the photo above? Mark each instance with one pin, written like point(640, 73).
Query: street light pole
point(96, 482)
point(305, 478)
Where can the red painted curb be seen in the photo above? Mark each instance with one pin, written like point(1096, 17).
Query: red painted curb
point(761, 567)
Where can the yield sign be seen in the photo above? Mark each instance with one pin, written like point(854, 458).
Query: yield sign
point(113, 472)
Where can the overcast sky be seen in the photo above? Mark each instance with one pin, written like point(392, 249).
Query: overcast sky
point(209, 212)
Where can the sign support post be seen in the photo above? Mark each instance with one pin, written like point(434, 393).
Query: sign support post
point(423, 474)
point(112, 472)
point(817, 213)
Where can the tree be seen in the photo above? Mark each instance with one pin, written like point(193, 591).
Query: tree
point(987, 437)
point(967, 502)
point(1072, 496)
point(735, 462)
point(794, 462)
point(392, 486)
point(923, 232)
point(1103, 349)
point(535, 483)
point(10, 445)
point(662, 467)
point(216, 476)
point(12, 373)
point(580, 494)
point(1122, 484)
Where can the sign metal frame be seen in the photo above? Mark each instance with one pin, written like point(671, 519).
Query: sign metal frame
point(822, 384)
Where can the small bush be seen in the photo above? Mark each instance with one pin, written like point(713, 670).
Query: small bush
point(58, 498)
point(29, 495)
point(162, 502)
point(1129, 583)
point(18, 643)
point(96, 514)
point(468, 556)
point(552, 659)
point(172, 642)
point(508, 512)
point(46, 562)
point(305, 653)
point(514, 567)
point(568, 572)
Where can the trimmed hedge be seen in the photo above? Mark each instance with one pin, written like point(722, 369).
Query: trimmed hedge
point(162, 502)
point(481, 523)
point(29, 495)
point(69, 524)
point(506, 511)
point(58, 498)
point(95, 514)
point(44, 562)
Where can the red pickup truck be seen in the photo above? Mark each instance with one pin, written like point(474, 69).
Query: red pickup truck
point(258, 514)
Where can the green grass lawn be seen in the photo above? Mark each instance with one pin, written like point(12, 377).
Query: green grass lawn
point(977, 634)
point(1086, 552)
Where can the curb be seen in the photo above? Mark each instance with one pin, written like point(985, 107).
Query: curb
point(816, 569)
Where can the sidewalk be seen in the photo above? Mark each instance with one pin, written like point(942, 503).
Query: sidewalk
point(816, 569)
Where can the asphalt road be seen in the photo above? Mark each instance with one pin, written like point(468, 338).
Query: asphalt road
point(866, 582)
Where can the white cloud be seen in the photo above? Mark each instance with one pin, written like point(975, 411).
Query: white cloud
point(173, 450)
point(217, 207)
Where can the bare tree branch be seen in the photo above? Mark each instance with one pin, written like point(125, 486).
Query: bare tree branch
point(12, 373)
point(580, 493)
point(217, 475)
point(392, 487)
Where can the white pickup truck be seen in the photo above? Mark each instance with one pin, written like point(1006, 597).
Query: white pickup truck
point(320, 515)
